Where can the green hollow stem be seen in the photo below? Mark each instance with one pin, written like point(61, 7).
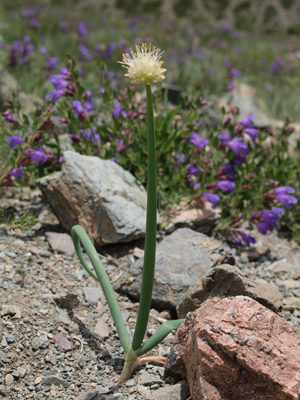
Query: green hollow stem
point(129, 365)
point(150, 239)
point(79, 235)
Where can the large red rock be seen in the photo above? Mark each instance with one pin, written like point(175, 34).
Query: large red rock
point(236, 349)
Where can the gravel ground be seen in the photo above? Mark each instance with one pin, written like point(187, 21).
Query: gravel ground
point(61, 347)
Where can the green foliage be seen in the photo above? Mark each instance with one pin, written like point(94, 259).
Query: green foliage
point(269, 13)
point(24, 223)
point(181, 7)
point(217, 7)
point(294, 29)
point(287, 3)
point(194, 60)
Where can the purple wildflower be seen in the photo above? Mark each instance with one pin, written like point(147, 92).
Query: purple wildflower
point(252, 132)
point(180, 159)
point(85, 53)
point(247, 239)
point(118, 109)
point(282, 195)
point(277, 66)
point(56, 95)
point(230, 86)
point(77, 107)
point(193, 170)
point(238, 147)
point(226, 63)
point(284, 190)
point(58, 83)
point(43, 50)
point(52, 63)
point(88, 107)
point(101, 90)
point(224, 138)
point(109, 50)
point(235, 73)
point(39, 156)
point(247, 121)
point(227, 172)
point(191, 182)
point(266, 220)
point(14, 141)
point(81, 29)
point(121, 147)
point(211, 198)
point(198, 142)
point(227, 186)
point(17, 172)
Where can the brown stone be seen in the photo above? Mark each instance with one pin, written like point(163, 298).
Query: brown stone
point(227, 280)
point(236, 349)
point(101, 330)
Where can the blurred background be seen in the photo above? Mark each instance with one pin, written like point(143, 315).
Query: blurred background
point(218, 44)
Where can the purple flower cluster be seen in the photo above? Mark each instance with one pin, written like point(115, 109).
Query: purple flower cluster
point(14, 141)
point(31, 14)
point(20, 50)
point(281, 194)
point(90, 134)
point(51, 62)
point(85, 54)
point(63, 85)
point(109, 50)
point(198, 142)
point(266, 220)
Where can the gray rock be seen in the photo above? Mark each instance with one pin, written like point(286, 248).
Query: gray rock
point(152, 380)
point(9, 380)
point(248, 105)
point(3, 356)
point(107, 201)
point(186, 215)
point(61, 242)
point(227, 280)
point(87, 395)
point(16, 374)
point(291, 303)
point(21, 371)
point(35, 343)
point(93, 294)
point(10, 338)
point(180, 391)
point(181, 259)
point(43, 342)
point(65, 142)
point(80, 273)
point(54, 380)
point(3, 391)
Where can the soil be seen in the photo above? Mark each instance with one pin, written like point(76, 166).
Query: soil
point(58, 340)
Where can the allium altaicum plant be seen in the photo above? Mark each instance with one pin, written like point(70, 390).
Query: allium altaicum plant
point(144, 66)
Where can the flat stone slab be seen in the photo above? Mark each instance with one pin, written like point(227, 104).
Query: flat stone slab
point(107, 201)
point(181, 259)
point(60, 242)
